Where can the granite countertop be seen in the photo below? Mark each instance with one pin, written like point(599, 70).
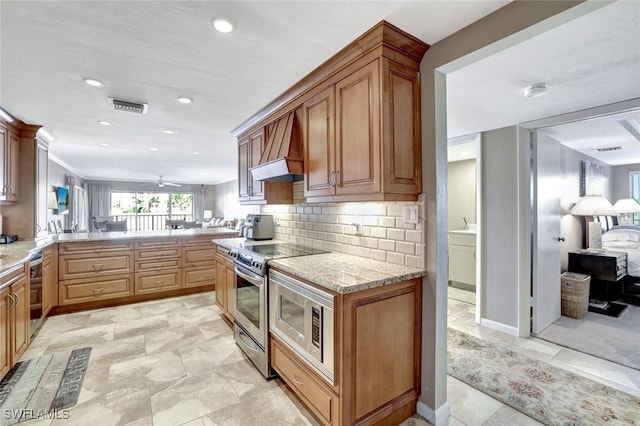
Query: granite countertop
point(240, 242)
point(344, 273)
point(102, 236)
point(14, 253)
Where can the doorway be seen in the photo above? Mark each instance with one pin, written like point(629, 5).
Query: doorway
point(464, 234)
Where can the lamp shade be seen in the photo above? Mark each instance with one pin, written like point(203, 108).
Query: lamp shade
point(593, 205)
point(627, 205)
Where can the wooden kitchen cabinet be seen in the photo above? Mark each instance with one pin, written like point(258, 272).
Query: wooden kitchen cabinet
point(9, 161)
point(95, 271)
point(225, 279)
point(361, 124)
point(14, 316)
point(362, 137)
point(199, 263)
point(49, 278)
point(251, 191)
point(5, 331)
point(158, 265)
point(377, 353)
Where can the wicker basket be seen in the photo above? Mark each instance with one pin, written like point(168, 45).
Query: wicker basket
point(575, 294)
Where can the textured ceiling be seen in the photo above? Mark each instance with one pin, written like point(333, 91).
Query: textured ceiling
point(155, 51)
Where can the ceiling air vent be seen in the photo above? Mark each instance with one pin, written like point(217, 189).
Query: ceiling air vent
point(609, 148)
point(118, 105)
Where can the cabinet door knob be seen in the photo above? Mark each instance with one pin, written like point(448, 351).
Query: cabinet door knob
point(560, 238)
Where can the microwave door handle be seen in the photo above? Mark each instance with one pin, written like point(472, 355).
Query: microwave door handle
point(254, 279)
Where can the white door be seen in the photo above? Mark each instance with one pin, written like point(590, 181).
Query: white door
point(545, 269)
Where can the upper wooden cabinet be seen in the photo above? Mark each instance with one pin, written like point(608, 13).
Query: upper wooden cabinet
point(9, 150)
point(250, 190)
point(360, 121)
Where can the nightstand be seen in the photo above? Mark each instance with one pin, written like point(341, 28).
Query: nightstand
point(607, 269)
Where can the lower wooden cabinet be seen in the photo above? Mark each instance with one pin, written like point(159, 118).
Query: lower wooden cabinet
point(5, 332)
point(153, 282)
point(377, 353)
point(313, 391)
point(225, 279)
point(198, 276)
point(92, 290)
point(49, 279)
point(14, 317)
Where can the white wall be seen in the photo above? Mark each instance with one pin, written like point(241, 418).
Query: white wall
point(620, 181)
point(57, 176)
point(224, 201)
point(462, 193)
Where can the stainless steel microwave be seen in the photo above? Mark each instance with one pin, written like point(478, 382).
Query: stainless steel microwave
point(303, 317)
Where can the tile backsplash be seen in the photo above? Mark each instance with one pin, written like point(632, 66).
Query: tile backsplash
point(383, 235)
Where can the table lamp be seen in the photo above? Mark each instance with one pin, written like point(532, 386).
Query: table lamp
point(590, 206)
point(626, 207)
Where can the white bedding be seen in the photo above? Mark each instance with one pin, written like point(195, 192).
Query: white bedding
point(625, 239)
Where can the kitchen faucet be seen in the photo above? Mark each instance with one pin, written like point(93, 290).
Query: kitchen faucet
point(466, 222)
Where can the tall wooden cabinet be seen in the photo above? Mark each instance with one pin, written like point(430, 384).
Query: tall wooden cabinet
point(361, 127)
point(24, 162)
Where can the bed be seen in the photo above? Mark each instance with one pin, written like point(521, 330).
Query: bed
point(626, 238)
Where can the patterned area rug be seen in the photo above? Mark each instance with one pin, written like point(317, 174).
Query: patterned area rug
point(43, 388)
point(551, 395)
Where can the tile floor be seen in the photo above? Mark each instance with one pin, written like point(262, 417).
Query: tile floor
point(174, 362)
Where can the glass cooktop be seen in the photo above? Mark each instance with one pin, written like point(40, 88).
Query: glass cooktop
point(278, 250)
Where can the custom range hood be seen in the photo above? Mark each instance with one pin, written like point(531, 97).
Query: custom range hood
point(281, 160)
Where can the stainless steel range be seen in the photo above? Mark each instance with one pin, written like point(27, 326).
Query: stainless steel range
point(251, 314)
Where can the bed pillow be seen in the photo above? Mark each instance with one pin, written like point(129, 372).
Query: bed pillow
point(622, 233)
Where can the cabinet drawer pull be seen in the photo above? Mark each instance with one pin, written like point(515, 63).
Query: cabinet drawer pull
point(12, 303)
point(97, 292)
point(159, 283)
point(97, 267)
point(296, 381)
point(209, 277)
point(98, 249)
point(337, 179)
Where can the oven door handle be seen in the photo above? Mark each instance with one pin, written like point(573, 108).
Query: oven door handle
point(247, 342)
point(254, 279)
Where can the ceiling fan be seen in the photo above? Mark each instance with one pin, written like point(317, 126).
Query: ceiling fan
point(162, 183)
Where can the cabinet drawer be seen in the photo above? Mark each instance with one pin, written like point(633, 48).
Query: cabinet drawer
point(194, 256)
point(462, 239)
point(318, 396)
point(160, 253)
point(97, 247)
point(78, 291)
point(222, 251)
point(198, 241)
point(199, 276)
point(152, 282)
point(89, 265)
point(158, 265)
point(155, 243)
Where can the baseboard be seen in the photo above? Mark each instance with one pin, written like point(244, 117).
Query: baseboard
point(439, 417)
point(499, 326)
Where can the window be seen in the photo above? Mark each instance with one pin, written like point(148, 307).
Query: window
point(634, 189)
point(146, 211)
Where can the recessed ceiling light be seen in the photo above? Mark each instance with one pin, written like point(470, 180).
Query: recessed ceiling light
point(93, 82)
point(154, 149)
point(169, 131)
point(536, 90)
point(195, 153)
point(104, 144)
point(105, 122)
point(222, 25)
point(185, 100)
